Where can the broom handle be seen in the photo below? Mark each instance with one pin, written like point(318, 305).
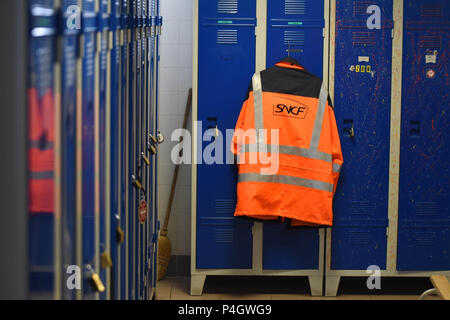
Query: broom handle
point(177, 166)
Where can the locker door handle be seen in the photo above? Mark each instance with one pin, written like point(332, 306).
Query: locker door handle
point(213, 124)
point(349, 130)
point(414, 130)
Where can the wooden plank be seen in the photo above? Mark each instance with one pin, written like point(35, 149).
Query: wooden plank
point(442, 286)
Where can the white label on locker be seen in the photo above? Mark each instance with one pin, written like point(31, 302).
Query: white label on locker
point(431, 58)
point(363, 59)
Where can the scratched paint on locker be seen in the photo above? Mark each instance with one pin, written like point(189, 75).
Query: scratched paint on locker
point(362, 108)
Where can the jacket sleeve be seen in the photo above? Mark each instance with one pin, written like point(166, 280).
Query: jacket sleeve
point(336, 151)
point(236, 143)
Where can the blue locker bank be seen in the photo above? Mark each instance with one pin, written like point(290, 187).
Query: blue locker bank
point(91, 107)
point(89, 87)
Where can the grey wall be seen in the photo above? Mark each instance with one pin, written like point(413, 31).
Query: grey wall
point(13, 192)
point(175, 81)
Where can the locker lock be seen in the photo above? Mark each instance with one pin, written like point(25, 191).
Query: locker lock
point(160, 137)
point(106, 261)
point(146, 160)
point(153, 140)
point(352, 132)
point(137, 183)
point(94, 279)
point(119, 235)
point(151, 148)
point(119, 231)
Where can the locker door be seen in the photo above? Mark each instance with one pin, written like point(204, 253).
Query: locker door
point(88, 147)
point(362, 108)
point(298, 26)
point(115, 151)
point(103, 92)
point(295, 25)
point(68, 142)
point(133, 191)
point(124, 174)
point(153, 52)
point(226, 65)
point(41, 156)
point(424, 213)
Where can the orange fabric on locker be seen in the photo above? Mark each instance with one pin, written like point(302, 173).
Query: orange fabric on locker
point(41, 162)
point(290, 170)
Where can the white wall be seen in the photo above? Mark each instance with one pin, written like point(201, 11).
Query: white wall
point(175, 81)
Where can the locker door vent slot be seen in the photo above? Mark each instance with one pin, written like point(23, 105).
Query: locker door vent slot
point(227, 6)
point(360, 7)
point(424, 238)
point(431, 11)
point(432, 42)
point(364, 39)
point(358, 237)
point(225, 207)
point(362, 208)
point(294, 7)
point(224, 236)
point(426, 208)
point(227, 36)
point(294, 38)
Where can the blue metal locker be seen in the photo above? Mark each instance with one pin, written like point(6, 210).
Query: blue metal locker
point(152, 96)
point(133, 191)
point(115, 151)
point(424, 214)
point(295, 28)
point(298, 26)
point(124, 177)
point(226, 65)
point(68, 141)
point(362, 109)
point(88, 146)
point(103, 27)
point(40, 148)
point(41, 155)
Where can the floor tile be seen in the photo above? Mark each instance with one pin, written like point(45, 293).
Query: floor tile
point(163, 289)
point(349, 297)
point(294, 297)
point(244, 296)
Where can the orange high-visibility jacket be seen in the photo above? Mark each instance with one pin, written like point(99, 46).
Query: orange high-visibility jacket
point(290, 172)
point(41, 162)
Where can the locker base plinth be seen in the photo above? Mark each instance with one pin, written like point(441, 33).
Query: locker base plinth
point(197, 284)
point(316, 285)
point(332, 286)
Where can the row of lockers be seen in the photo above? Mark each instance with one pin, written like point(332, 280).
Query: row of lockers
point(358, 69)
point(92, 144)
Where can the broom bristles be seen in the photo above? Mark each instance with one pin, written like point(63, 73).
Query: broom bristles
point(164, 253)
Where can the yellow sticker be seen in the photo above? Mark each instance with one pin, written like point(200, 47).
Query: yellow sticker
point(368, 69)
point(357, 68)
point(363, 68)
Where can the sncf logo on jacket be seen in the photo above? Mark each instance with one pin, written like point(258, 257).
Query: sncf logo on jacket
point(287, 100)
point(290, 108)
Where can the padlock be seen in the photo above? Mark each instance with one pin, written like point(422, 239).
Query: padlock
point(151, 149)
point(119, 235)
point(153, 140)
point(159, 137)
point(146, 160)
point(97, 282)
point(136, 182)
point(106, 261)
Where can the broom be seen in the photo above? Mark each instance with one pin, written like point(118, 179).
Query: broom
point(164, 245)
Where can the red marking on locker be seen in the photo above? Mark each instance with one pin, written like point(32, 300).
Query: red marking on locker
point(142, 212)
